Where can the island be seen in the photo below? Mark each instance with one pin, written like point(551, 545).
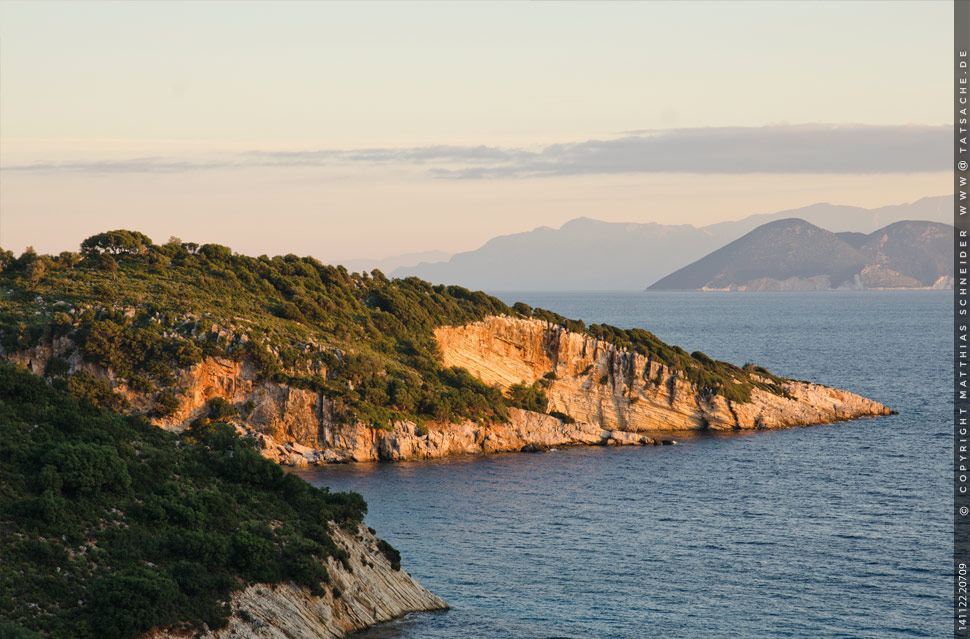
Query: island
point(795, 255)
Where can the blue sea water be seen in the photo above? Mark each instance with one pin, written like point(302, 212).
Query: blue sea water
point(832, 531)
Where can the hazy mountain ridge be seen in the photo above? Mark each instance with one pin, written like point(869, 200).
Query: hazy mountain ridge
point(793, 254)
point(587, 254)
point(388, 264)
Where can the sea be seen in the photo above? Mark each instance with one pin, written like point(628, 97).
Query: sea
point(835, 531)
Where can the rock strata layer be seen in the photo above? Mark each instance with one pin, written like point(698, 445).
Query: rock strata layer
point(371, 592)
point(616, 397)
point(593, 381)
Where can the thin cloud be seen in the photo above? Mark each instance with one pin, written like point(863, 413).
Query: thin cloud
point(132, 165)
point(810, 148)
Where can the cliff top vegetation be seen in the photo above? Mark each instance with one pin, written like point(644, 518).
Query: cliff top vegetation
point(146, 310)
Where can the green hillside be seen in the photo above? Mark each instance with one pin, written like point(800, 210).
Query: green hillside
point(146, 310)
point(110, 526)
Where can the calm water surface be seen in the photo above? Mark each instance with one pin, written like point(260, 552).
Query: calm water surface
point(831, 531)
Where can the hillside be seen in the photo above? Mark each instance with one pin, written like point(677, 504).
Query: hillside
point(322, 365)
point(588, 254)
point(793, 254)
point(113, 526)
point(110, 526)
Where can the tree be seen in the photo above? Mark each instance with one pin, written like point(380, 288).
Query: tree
point(36, 270)
point(108, 263)
point(116, 243)
point(69, 258)
point(6, 259)
point(215, 252)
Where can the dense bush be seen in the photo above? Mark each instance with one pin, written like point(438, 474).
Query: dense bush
point(220, 409)
point(568, 419)
point(110, 526)
point(391, 553)
point(364, 341)
point(528, 397)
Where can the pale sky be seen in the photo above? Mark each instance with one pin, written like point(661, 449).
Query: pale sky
point(373, 129)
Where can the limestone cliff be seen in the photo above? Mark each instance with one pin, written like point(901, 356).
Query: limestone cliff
point(369, 593)
point(616, 397)
point(593, 381)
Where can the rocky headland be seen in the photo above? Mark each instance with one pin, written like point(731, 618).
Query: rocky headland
point(599, 394)
point(371, 591)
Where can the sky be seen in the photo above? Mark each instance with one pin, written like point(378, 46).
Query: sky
point(371, 129)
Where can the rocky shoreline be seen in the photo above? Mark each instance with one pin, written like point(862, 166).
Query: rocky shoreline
point(371, 591)
point(600, 395)
point(611, 397)
point(526, 431)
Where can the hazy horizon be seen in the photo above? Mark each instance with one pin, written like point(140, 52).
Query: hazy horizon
point(344, 132)
point(407, 258)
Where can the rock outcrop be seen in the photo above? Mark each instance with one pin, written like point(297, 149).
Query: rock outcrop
point(616, 397)
point(593, 381)
point(369, 593)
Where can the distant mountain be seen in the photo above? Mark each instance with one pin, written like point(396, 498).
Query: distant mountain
point(388, 264)
point(587, 254)
point(793, 254)
point(583, 254)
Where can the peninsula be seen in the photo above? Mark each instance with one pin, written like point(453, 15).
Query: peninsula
point(320, 365)
point(138, 494)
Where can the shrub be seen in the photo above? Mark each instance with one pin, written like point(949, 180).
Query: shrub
point(528, 397)
point(166, 404)
point(56, 367)
point(391, 553)
point(96, 392)
point(522, 309)
point(220, 409)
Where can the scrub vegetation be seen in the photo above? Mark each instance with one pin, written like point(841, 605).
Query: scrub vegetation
point(110, 526)
point(147, 310)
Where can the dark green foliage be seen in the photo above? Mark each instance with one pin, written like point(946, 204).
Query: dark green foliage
point(141, 527)
point(577, 326)
point(11, 630)
point(365, 342)
point(220, 409)
point(568, 419)
point(166, 403)
point(215, 252)
point(522, 309)
point(133, 348)
point(56, 367)
point(391, 553)
point(95, 392)
point(115, 243)
point(85, 469)
point(130, 602)
point(528, 397)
